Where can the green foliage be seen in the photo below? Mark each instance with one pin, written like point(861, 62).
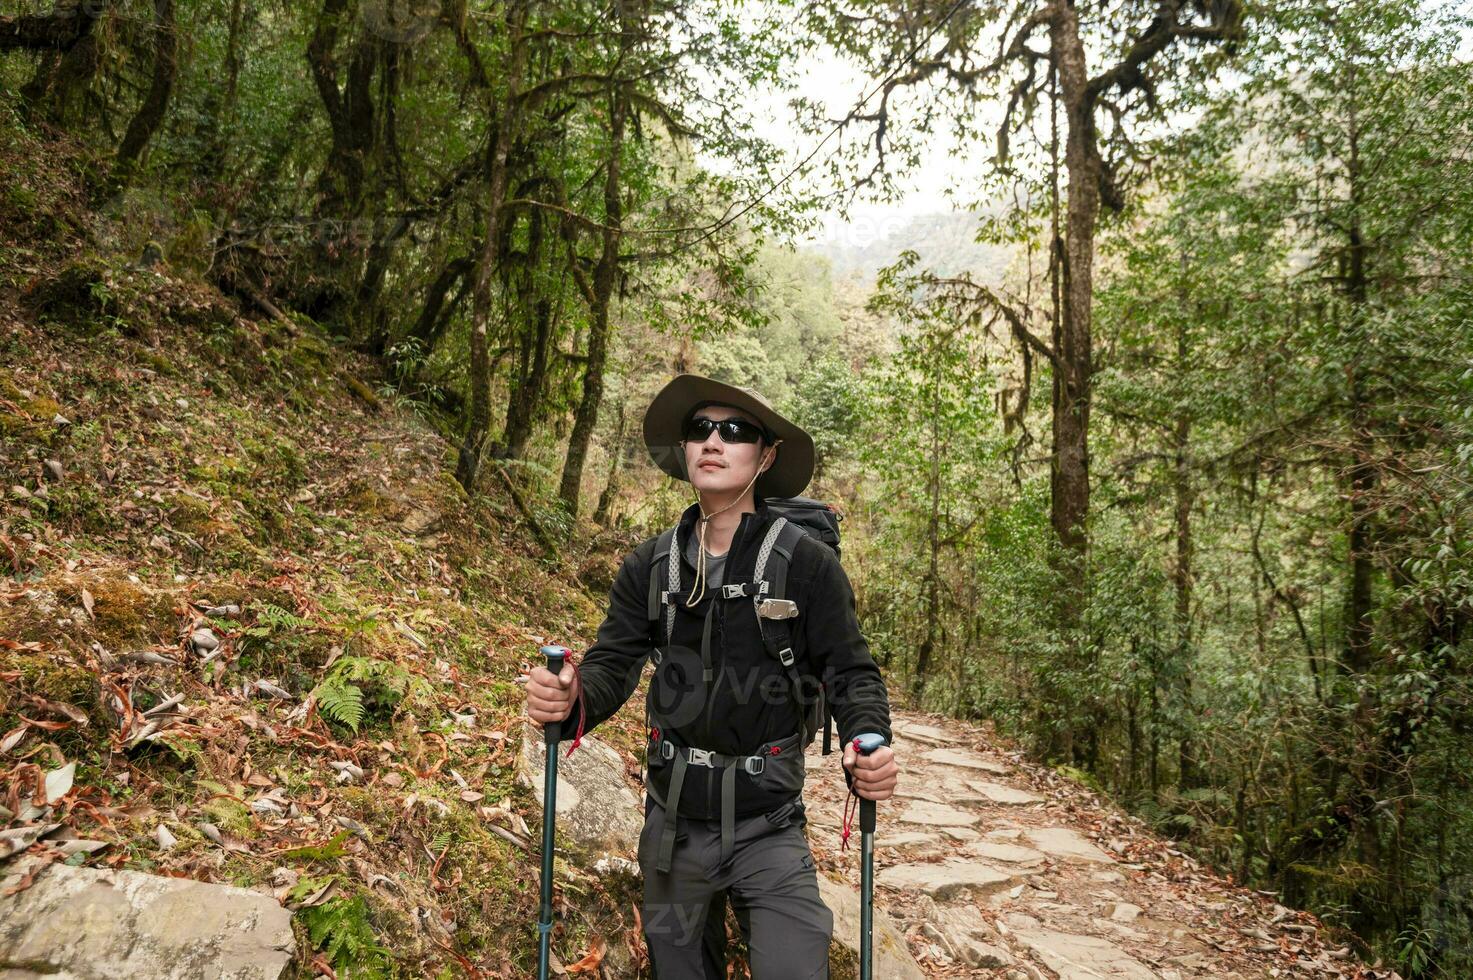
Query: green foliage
point(356, 688)
point(341, 701)
point(271, 619)
point(828, 404)
point(334, 848)
point(1415, 953)
point(933, 446)
point(1081, 777)
point(309, 885)
point(341, 928)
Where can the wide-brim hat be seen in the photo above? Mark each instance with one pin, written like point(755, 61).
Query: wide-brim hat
point(789, 473)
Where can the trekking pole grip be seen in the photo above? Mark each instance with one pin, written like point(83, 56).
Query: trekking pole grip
point(866, 744)
point(556, 657)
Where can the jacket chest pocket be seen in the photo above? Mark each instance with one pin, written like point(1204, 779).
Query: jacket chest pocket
point(678, 692)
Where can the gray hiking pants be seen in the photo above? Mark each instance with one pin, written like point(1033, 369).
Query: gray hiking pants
point(772, 885)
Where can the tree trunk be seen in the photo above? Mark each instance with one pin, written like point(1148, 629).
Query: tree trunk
point(220, 110)
point(60, 30)
point(1183, 493)
point(933, 576)
point(349, 110)
point(530, 379)
point(478, 425)
point(58, 77)
point(431, 323)
point(1072, 365)
point(1361, 480)
point(533, 345)
point(342, 186)
point(503, 132)
point(151, 113)
point(604, 279)
point(1069, 475)
point(601, 513)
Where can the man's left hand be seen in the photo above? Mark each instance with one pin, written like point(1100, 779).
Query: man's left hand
point(875, 774)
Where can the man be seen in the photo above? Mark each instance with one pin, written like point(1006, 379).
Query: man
point(727, 722)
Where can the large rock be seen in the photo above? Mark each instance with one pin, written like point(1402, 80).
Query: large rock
point(961, 834)
point(1064, 844)
point(92, 924)
point(992, 850)
point(964, 759)
point(930, 814)
point(923, 733)
point(1003, 795)
point(971, 938)
point(945, 879)
point(1083, 957)
point(904, 839)
point(921, 790)
point(595, 808)
point(892, 957)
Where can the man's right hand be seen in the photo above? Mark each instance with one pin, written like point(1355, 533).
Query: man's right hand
point(550, 696)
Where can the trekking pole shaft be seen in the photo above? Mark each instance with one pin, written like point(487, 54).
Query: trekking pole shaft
point(866, 745)
point(866, 891)
point(552, 732)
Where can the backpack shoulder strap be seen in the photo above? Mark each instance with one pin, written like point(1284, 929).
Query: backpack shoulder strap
point(785, 547)
point(773, 562)
point(819, 715)
point(664, 579)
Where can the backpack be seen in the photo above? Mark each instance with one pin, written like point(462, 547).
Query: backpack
point(796, 516)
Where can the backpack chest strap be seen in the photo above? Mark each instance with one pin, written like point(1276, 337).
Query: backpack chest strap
point(729, 590)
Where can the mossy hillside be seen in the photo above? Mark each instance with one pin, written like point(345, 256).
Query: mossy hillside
point(207, 461)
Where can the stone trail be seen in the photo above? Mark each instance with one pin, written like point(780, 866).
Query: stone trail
point(991, 867)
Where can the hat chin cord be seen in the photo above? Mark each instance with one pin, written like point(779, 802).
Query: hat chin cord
point(700, 582)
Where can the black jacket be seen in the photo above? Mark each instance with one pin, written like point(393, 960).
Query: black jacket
point(750, 701)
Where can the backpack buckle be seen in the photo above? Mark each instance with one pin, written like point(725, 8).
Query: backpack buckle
point(754, 765)
point(699, 757)
point(777, 609)
point(786, 656)
point(667, 750)
point(734, 591)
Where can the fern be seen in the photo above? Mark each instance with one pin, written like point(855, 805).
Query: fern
point(441, 841)
point(308, 885)
point(271, 618)
point(340, 928)
point(275, 615)
point(356, 687)
point(385, 672)
point(340, 701)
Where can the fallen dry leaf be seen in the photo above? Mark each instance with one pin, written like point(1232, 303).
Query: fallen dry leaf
point(590, 963)
point(59, 782)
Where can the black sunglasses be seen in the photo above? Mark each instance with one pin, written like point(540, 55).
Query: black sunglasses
point(698, 429)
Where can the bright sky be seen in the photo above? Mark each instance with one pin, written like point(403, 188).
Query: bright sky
point(839, 86)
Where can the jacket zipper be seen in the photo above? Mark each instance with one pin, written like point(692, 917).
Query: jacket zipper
point(718, 642)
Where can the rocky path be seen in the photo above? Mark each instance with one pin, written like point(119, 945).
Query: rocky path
point(989, 867)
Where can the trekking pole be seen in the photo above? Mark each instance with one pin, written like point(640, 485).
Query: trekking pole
point(552, 731)
point(866, 744)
